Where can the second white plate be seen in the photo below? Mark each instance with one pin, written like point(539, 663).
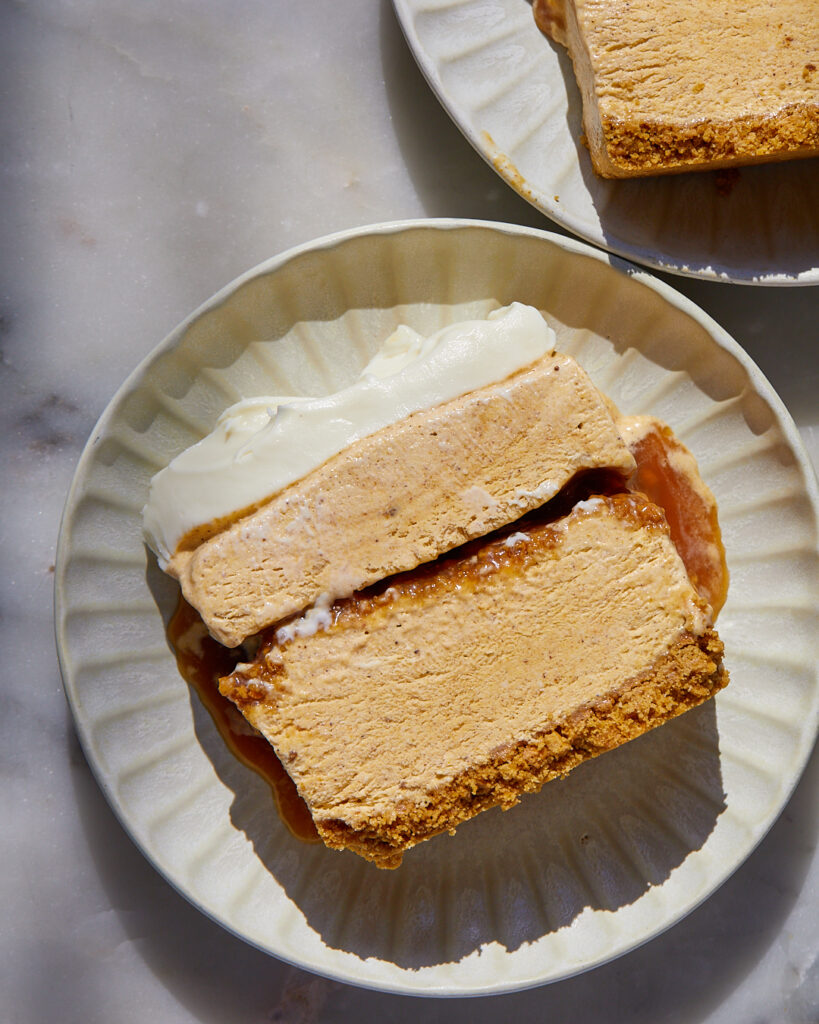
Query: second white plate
point(512, 93)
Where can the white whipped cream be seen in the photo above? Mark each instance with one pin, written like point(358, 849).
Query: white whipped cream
point(262, 445)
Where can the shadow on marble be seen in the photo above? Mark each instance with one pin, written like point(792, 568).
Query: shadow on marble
point(686, 974)
point(449, 176)
point(791, 367)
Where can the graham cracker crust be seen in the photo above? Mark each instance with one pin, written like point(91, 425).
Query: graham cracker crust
point(688, 674)
point(651, 147)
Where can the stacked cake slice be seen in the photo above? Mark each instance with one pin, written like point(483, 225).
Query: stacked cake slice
point(456, 608)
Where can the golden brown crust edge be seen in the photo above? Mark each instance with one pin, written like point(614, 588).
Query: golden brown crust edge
point(685, 676)
point(636, 148)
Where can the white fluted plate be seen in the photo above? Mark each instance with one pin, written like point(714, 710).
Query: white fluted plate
point(513, 94)
point(591, 866)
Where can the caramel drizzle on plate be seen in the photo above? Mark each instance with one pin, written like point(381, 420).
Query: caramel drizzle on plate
point(202, 660)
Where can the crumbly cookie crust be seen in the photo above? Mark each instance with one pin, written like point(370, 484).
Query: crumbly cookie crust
point(640, 147)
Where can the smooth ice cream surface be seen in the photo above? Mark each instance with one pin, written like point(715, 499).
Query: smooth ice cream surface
point(262, 445)
point(685, 62)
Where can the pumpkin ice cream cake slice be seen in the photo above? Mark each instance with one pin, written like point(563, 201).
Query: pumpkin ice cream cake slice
point(452, 583)
point(366, 492)
point(670, 86)
point(464, 684)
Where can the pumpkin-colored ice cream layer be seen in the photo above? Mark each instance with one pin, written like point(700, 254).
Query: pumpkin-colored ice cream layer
point(673, 87)
point(463, 684)
point(403, 496)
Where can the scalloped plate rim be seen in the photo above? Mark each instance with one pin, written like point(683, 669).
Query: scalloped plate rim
point(329, 242)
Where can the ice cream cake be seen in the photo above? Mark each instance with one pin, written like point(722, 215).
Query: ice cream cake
point(398, 496)
point(674, 87)
point(467, 683)
point(449, 583)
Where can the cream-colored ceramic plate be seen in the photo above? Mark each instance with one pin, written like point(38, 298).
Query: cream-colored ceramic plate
point(591, 866)
point(512, 93)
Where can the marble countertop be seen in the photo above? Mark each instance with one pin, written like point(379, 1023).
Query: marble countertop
point(150, 153)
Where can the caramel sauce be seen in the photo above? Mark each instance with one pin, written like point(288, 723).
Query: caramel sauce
point(202, 660)
point(465, 567)
point(690, 509)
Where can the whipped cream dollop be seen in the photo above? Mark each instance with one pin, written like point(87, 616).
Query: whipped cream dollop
point(261, 445)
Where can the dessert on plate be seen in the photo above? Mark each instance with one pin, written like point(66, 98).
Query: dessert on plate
point(463, 685)
point(462, 593)
point(675, 87)
point(385, 500)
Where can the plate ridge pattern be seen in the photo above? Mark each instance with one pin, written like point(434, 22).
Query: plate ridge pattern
point(428, 274)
